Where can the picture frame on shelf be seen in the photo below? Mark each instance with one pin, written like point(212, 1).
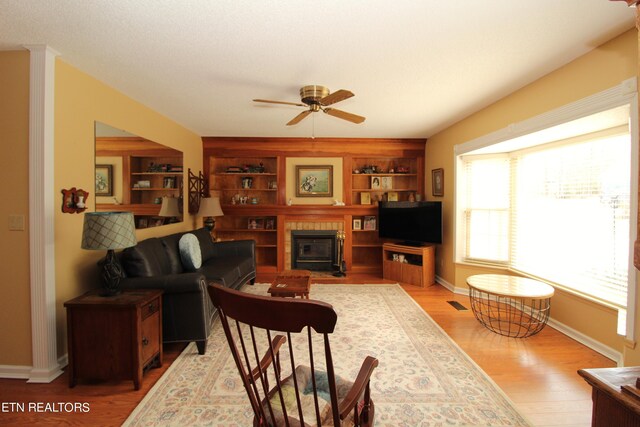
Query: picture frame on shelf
point(392, 196)
point(365, 198)
point(386, 182)
point(437, 182)
point(269, 224)
point(314, 180)
point(375, 183)
point(255, 223)
point(369, 222)
point(142, 223)
point(169, 182)
point(156, 222)
point(357, 224)
point(104, 180)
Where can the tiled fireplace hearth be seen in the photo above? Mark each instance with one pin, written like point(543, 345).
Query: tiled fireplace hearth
point(294, 224)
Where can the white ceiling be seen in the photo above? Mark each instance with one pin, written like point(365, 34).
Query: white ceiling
point(415, 66)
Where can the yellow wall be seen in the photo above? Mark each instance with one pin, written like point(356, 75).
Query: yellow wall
point(600, 69)
point(79, 101)
point(15, 304)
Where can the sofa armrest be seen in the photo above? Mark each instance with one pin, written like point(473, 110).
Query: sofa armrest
point(234, 248)
point(171, 283)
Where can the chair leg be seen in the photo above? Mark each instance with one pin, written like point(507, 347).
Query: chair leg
point(202, 346)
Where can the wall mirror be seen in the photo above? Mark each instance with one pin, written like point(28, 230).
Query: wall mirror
point(137, 175)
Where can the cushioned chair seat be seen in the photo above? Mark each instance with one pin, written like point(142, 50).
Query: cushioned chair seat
point(307, 401)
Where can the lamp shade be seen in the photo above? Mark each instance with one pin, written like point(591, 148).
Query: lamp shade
point(210, 206)
point(108, 230)
point(169, 207)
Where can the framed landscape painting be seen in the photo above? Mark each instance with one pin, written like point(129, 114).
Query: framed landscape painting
point(314, 181)
point(104, 180)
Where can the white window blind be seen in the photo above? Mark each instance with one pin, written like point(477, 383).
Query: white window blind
point(487, 208)
point(570, 215)
point(558, 211)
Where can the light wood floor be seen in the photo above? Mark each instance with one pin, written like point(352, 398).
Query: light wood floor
point(537, 373)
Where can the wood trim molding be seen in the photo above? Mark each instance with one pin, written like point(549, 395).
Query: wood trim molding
point(46, 366)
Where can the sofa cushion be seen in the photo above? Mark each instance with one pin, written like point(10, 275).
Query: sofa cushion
point(223, 270)
point(206, 244)
point(190, 252)
point(147, 259)
point(171, 246)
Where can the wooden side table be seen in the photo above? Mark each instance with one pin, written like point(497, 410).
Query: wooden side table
point(291, 283)
point(612, 404)
point(116, 337)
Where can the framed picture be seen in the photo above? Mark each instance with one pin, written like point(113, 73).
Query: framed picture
point(169, 182)
point(392, 196)
point(437, 183)
point(142, 223)
point(365, 198)
point(369, 222)
point(269, 223)
point(357, 224)
point(375, 183)
point(104, 180)
point(255, 224)
point(386, 182)
point(314, 181)
point(156, 222)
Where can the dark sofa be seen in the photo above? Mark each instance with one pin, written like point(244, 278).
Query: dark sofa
point(187, 312)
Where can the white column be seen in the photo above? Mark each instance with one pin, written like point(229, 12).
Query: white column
point(41, 211)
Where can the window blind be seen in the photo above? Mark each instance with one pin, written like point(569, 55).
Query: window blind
point(570, 215)
point(559, 211)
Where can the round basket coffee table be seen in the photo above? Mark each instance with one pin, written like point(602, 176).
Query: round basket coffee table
point(512, 306)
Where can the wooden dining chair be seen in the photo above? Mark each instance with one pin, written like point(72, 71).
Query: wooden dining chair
point(281, 391)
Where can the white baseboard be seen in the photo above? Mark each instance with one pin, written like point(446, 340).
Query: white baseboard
point(451, 287)
point(594, 345)
point(23, 372)
point(15, 371)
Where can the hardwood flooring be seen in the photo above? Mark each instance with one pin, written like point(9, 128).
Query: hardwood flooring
point(538, 373)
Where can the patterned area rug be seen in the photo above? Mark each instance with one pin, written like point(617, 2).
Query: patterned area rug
point(424, 378)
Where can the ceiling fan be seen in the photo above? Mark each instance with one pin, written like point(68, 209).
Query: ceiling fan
point(318, 98)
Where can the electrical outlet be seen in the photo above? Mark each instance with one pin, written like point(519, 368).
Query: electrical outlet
point(16, 222)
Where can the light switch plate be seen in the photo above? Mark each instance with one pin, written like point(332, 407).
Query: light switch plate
point(16, 222)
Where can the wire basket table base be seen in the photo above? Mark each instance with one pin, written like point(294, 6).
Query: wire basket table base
point(511, 306)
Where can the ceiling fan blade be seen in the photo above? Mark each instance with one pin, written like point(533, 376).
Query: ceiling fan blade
point(354, 118)
point(337, 96)
point(279, 102)
point(299, 117)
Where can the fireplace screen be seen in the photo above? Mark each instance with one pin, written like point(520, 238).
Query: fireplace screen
point(313, 250)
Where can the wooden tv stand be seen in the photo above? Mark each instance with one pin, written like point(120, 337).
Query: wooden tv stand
point(419, 268)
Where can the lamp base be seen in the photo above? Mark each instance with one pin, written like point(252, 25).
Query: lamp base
point(111, 275)
point(210, 223)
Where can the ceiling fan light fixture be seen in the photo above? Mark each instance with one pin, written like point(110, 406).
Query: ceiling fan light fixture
point(312, 94)
point(317, 98)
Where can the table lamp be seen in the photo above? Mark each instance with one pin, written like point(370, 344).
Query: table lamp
point(210, 208)
point(169, 208)
point(109, 231)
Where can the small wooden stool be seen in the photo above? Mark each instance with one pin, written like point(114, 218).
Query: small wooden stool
point(291, 283)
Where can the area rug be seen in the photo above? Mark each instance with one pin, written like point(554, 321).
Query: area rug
point(424, 378)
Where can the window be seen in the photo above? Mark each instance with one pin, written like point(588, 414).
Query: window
point(555, 203)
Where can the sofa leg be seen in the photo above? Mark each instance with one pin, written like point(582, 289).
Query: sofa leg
point(202, 346)
point(252, 281)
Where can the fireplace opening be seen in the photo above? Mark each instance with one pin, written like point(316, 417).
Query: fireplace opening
point(313, 250)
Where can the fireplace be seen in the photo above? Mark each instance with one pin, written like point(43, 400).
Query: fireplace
point(313, 250)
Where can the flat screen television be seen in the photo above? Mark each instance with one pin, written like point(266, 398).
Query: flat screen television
point(415, 223)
